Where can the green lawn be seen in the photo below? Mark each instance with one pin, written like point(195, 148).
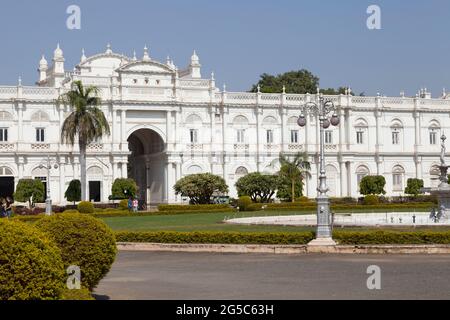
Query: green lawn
point(214, 222)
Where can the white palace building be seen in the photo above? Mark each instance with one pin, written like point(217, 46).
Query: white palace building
point(168, 123)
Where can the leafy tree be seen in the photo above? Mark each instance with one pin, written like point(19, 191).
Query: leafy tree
point(372, 185)
point(413, 187)
point(291, 176)
point(200, 188)
point(29, 190)
point(259, 187)
point(87, 122)
point(301, 81)
point(332, 91)
point(123, 189)
point(73, 192)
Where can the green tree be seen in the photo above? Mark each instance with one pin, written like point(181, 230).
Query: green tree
point(372, 185)
point(30, 190)
point(123, 189)
point(200, 188)
point(86, 121)
point(301, 81)
point(259, 187)
point(413, 187)
point(73, 192)
point(291, 175)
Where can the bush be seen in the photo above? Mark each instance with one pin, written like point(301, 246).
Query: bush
point(217, 237)
point(200, 188)
point(82, 294)
point(255, 207)
point(193, 207)
point(371, 200)
point(85, 207)
point(71, 211)
point(30, 264)
point(30, 190)
point(391, 237)
point(123, 189)
point(84, 241)
point(123, 204)
point(303, 199)
point(244, 202)
point(73, 192)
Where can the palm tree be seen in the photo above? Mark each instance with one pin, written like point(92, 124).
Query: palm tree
point(87, 122)
point(294, 169)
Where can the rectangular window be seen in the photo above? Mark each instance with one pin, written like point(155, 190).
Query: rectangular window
point(360, 137)
point(433, 136)
point(397, 182)
point(294, 136)
point(395, 137)
point(329, 137)
point(240, 136)
point(269, 134)
point(40, 135)
point(3, 134)
point(194, 135)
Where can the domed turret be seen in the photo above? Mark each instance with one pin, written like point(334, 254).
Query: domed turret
point(146, 55)
point(195, 66)
point(58, 53)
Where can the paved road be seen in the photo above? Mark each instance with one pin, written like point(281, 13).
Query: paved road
point(192, 276)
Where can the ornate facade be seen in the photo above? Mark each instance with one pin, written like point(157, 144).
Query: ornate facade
point(168, 122)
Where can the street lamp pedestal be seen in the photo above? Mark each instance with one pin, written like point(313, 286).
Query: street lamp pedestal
point(322, 242)
point(324, 231)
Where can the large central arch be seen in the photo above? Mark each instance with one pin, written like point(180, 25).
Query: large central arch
point(146, 165)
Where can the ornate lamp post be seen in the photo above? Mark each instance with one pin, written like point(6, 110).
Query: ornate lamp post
point(48, 200)
point(323, 110)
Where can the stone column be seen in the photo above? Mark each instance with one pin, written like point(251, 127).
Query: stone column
point(20, 121)
point(351, 179)
point(62, 178)
point(170, 182)
point(283, 129)
point(169, 133)
point(122, 130)
point(342, 178)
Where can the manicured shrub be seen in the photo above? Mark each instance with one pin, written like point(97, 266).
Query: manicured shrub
point(123, 204)
point(123, 189)
point(371, 200)
point(71, 211)
point(391, 237)
point(200, 188)
point(30, 264)
point(82, 294)
point(73, 192)
point(244, 202)
point(255, 207)
point(193, 207)
point(217, 237)
point(30, 190)
point(84, 241)
point(85, 207)
point(303, 199)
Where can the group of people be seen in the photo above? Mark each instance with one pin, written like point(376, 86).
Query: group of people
point(133, 204)
point(6, 207)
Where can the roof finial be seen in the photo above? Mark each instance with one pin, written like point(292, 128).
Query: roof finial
point(58, 53)
point(284, 89)
point(108, 49)
point(212, 75)
point(146, 55)
point(83, 55)
point(20, 81)
point(134, 55)
point(224, 87)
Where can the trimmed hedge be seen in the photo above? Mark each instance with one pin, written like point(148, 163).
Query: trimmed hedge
point(196, 207)
point(30, 264)
point(85, 207)
point(84, 241)
point(312, 207)
point(82, 294)
point(286, 238)
point(216, 237)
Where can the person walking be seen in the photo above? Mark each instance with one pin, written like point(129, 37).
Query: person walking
point(135, 205)
point(8, 207)
point(130, 204)
point(2, 208)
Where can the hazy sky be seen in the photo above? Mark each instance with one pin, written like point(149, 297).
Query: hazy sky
point(239, 40)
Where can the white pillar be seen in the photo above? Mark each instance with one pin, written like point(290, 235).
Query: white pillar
point(170, 182)
point(20, 122)
point(62, 179)
point(169, 133)
point(122, 130)
point(342, 178)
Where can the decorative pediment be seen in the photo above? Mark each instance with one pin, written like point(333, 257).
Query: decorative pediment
point(105, 57)
point(147, 67)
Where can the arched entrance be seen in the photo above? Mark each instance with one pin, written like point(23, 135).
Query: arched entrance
point(6, 182)
point(146, 165)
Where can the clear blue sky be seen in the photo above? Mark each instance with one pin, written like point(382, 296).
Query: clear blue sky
point(240, 40)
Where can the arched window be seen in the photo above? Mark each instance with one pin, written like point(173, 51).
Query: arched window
point(40, 116)
point(5, 116)
point(95, 171)
point(361, 172)
point(433, 132)
point(195, 169)
point(397, 178)
point(270, 121)
point(396, 130)
point(361, 131)
point(194, 119)
point(241, 172)
point(6, 172)
point(240, 121)
point(292, 121)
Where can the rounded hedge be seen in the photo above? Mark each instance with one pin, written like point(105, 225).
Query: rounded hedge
point(123, 204)
point(31, 267)
point(85, 207)
point(243, 203)
point(84, 241)
point(371, 200)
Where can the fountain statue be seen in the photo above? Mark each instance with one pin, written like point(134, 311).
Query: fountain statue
point(442, 192)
